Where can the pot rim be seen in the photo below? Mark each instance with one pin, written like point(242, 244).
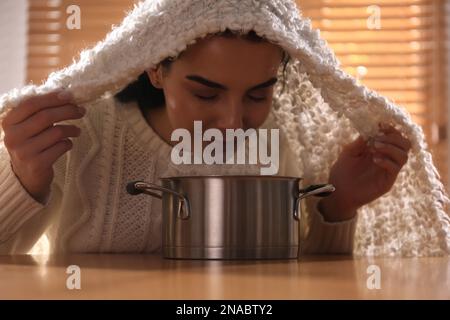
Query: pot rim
point(232, 177)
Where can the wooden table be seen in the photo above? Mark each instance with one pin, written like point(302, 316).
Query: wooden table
point(151, 277)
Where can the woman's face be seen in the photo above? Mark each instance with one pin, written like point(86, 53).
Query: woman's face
point(227, 83)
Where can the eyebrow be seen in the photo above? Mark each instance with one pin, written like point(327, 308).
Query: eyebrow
point(216, 85)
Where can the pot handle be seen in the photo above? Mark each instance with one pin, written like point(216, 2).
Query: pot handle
point(318, 190)
point(138, 187)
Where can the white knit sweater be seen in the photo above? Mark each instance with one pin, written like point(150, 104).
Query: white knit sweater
point(89, 209)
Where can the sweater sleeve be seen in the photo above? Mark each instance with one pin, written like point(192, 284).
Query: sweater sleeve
point(17, 206)
point(326, 237)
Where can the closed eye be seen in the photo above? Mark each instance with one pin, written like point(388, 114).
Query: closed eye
point(257, 99)
point(212, 97)
point(205, 97)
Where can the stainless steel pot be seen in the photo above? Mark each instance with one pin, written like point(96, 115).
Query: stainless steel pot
point(230, 217)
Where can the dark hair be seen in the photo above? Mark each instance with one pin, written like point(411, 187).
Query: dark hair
point(147, 96)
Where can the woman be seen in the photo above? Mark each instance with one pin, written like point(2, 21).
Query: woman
point(197, 69)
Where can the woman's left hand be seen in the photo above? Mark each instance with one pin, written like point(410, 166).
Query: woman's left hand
point(363, 172)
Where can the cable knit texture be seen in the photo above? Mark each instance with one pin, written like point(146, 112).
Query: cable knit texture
point(321, 109)
point(128, 224)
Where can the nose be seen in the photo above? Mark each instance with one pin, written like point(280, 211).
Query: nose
point(232, 116)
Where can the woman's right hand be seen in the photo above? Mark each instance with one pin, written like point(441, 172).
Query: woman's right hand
point(35, 142)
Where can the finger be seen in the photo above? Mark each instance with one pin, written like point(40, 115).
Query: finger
point(31, 105)
point(386, 127)
point(356, 147)
point(43, 120)
point(387, 164)
point(393, 136)
point(397, 154)
point(49, 137)
point(395, 139)
point(50, 155)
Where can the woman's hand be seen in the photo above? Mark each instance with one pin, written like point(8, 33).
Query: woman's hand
point(363, 172)
point(34, 142)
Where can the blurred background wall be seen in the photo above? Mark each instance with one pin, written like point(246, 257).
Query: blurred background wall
point(13, 37)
